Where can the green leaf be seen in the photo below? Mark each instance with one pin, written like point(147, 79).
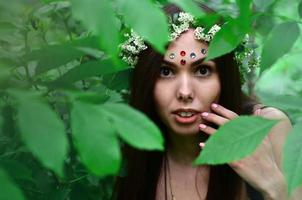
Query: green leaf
point(286, 102)
point(300, 9)
point(235, 140)
point(95, 139)
point(137, 13)
point(117, 81)
point(292, 161)
point(17, 170)
point(278, 43)
point(244, 8)
point(227, 39)
point(49, 1)
point(98, 16)
point(41, 130)
point(8, 189)
point(190, 7)
point(263, 5)
point(54, 56)
point(134, 127)
point(4, 70)
point(1, 121)
point(89, 69)
point(88, 97)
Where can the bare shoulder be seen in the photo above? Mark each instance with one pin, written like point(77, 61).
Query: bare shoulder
point(279, 132)
point(273, 113)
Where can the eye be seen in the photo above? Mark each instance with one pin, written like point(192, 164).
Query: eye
point(203, 70)
point(166, 72)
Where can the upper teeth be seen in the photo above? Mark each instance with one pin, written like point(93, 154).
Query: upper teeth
point(186, 114)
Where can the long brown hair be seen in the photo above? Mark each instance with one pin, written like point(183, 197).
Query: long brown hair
point(143, 167)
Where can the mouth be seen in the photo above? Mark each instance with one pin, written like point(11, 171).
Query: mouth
point(186, 116)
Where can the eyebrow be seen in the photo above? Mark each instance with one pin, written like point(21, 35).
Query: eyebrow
point(197, 62)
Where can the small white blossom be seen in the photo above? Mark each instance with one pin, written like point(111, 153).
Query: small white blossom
point(185, 17)
point(132, 47)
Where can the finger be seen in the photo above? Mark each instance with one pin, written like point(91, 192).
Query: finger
point(202, 145)
point(214, 118)
point(224, 112)
point(207, 129)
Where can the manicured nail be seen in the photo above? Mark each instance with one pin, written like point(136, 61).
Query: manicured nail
point(214, 105)
point(204, 114)
point(202, 144)
point(202, 126)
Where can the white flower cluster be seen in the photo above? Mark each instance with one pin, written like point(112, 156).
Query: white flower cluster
point(247, 59)
point(185, 19)
point(132, 47)
point(200, 35)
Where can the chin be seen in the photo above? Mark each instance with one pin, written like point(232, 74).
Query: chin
point(186, 130)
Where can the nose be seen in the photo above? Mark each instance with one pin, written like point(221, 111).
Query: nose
point(185, 90)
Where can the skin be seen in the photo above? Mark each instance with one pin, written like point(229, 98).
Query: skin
point(198, 87)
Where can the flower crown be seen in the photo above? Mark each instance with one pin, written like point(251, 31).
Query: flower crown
point(245, 56)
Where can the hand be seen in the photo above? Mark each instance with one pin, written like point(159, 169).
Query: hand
point(259, 169)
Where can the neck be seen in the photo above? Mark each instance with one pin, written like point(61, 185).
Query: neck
point(183, 150)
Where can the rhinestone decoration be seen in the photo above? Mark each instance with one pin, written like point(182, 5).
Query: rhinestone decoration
point(183, 62)
point(192, 55)
point(182, 53)
point(172, 56)
point(203, 51)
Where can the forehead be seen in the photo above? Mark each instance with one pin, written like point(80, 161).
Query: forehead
point(186, 42)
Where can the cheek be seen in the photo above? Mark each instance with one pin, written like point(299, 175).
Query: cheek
point(209, 93)
point(160, 95)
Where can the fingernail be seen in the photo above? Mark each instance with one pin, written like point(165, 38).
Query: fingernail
point(202, 126)
point(204, 114)
point(201, 144)
point(214, 105)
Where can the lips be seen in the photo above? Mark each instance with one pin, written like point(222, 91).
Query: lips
point(186, 116)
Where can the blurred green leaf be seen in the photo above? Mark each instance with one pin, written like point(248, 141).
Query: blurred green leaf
point(95, 139)
point(235, 140)
point(189, 6)
point(51, 7)
point(54, 56)
point(8, 189)
point(117, 81)
point(264, 24)
point(244, 8)
point(6, 28)
point(136, 13)
point(292, 161)
point(98, 16)
point(89, 69)
point(49, 1)
point(41, 130)
point(285, 102)
point(17, 170)
point(134, 127)
point(278, 43)
point(87, 97)
point(4, 70)
point(263, 5)
point(300, 9)
point(1, 119)
point(232, 32)
point(228, 38)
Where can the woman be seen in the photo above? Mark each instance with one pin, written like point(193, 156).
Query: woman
point(188, 98)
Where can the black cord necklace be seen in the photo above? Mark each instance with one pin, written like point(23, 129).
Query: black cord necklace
point(167, 168)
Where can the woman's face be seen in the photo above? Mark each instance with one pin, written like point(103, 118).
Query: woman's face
point(187, 85)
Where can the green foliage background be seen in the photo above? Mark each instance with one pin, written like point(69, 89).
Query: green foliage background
point(63, 89)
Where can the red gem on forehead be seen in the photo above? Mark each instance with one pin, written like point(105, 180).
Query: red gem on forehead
point(182, 62)
point(182, 53)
